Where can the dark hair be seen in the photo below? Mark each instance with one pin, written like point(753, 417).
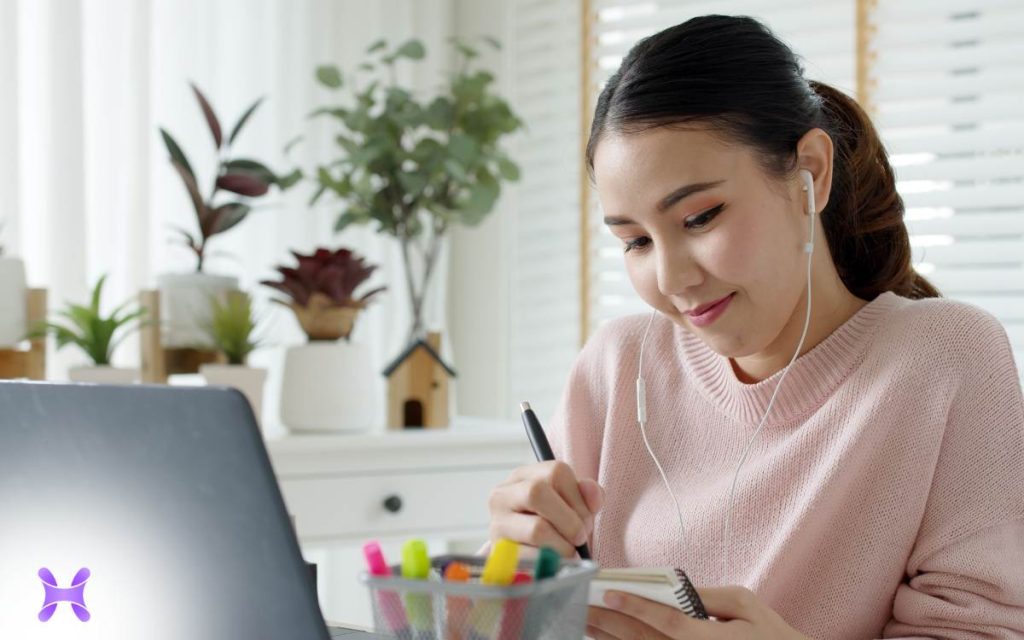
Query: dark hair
point(732, 75)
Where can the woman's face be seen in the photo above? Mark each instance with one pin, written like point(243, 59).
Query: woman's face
point(700, 221)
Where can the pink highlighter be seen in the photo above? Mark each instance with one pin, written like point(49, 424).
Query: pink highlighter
point(388, 602)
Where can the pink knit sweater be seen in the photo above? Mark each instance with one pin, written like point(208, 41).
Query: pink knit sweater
point(884, 498)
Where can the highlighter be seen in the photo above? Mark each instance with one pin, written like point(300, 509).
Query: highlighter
point(420, 606)
point(515, 611)
point(499, 570)
point(548, 561)
point(547, 565)
point(457, 607)
point(388, 602)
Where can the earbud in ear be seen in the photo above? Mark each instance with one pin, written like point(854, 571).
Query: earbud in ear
point(808, 179)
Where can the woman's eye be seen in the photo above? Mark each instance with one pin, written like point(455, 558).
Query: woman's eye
point(702, 220)
point(637, 243)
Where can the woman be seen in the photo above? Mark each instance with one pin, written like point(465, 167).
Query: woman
point(879, 491)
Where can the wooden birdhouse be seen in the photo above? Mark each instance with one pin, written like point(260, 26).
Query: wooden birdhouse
point(418, 386)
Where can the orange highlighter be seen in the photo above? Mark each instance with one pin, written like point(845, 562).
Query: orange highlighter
point(457, 607)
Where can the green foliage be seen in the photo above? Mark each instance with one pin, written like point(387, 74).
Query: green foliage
point(410, 165)
point(243, 177)
point(88, 329)
point(231, 326)
point(414, 167)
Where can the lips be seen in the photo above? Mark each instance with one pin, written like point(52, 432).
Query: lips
point(702, 309)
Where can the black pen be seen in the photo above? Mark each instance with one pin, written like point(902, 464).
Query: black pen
point(542, 450)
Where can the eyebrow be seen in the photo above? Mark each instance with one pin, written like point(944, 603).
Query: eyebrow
point(670, 200)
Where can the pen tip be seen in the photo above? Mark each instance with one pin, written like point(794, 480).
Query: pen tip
point(524, 406)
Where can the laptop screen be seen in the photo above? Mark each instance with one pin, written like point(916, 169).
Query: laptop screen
point(143, 512)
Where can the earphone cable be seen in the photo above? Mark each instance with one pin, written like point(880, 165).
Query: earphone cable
point(641, 397)
point(771, 402)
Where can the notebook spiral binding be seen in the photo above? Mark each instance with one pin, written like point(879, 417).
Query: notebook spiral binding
point(688, 598)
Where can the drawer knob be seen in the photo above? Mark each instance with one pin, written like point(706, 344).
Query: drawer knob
point(393, 503)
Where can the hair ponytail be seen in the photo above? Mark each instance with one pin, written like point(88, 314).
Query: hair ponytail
point(863, 220)
point(732, 74)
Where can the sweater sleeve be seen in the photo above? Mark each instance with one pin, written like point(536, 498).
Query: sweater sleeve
point(965, 575)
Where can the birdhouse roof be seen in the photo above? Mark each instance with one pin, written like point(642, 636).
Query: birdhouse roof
point(409, 351)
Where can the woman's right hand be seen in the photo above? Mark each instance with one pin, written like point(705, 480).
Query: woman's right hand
point(543, 504)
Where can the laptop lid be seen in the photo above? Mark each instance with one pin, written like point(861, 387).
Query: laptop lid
point(143, 512)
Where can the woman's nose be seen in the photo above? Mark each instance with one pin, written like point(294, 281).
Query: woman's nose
point(676, 271)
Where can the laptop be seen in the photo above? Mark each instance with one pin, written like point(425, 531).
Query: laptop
point(145, 512)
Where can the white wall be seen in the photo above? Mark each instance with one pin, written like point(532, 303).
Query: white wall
point(479, 271)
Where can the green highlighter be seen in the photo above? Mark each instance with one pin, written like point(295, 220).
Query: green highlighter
point(547, 565)
point(419, 606)
point(548, 562)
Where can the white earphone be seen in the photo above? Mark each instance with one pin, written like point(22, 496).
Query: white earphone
point(641, 395)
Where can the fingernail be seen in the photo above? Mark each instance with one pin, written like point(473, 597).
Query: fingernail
point(613, 599)
point(581, 538)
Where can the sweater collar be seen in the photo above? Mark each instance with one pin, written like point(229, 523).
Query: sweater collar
point(813, 377)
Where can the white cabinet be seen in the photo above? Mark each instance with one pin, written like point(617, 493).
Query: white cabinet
point(345, 488)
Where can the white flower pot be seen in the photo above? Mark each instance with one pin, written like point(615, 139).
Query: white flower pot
point(328, 386)
point(185, 301)
point(104, 375)
point(248, 380)
point(13, 295)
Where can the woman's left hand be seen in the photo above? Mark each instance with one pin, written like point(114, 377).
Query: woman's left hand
point(740, 616)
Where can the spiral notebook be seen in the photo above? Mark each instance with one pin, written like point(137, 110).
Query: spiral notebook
point(660, 584)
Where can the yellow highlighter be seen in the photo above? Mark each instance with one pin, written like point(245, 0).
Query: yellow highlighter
point(499, 570)
point(419, 606)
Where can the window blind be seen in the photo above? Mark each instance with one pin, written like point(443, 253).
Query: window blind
point(545, 328)
point(946, 87)
point(824, 37)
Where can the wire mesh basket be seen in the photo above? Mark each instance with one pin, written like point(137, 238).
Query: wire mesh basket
point(550, 609)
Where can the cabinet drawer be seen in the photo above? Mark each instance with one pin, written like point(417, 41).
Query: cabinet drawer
point(400, 504)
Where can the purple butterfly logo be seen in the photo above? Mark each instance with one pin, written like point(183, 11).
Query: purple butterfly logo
point(74, 594)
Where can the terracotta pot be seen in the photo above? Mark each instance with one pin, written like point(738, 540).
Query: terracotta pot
point(322, 321)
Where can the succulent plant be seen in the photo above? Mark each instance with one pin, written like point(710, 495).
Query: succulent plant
point(322, 289)
point(231, 326)
point(241, 176)
point(97, 335)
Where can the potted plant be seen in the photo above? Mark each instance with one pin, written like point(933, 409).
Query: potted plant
point(97, 335)
point(12, 298)
point(417, 167)
point(322, 291)
point(327, 383)
point(235, 183)
point(231, 328)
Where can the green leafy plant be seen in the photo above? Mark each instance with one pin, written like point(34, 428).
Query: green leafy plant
point(322, 291)
point(88, 329)
point(232, 324)
point(416, 167)
point(243, 177)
